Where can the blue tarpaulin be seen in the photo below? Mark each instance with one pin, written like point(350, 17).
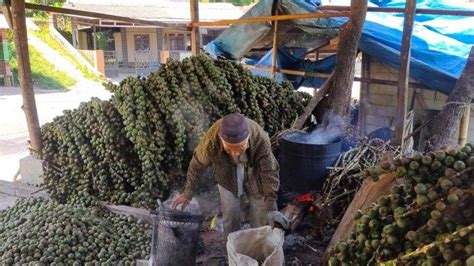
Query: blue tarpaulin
point(440, 44)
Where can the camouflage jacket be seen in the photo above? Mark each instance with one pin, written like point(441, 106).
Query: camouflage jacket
point(210, 152)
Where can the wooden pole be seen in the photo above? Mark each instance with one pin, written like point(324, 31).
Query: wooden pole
point(94, 39)
point(24, 73)
point(275, 46)
point(74, 33)
point(404, 74)
point(195, 38)
point(464, 126)
point(364, 95)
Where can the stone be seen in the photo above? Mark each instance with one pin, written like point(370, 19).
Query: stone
point(31, 170)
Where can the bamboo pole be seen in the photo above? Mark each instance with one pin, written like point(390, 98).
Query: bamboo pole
point(275, 46)
point(404, 75)
point(227, 22)
point(464, 126)
point(24, 73)
point(195, 38)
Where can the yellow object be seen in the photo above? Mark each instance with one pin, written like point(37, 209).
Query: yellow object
point(213, 222)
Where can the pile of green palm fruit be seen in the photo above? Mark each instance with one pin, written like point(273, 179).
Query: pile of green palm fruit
point(428, 218)
point(135, 148)
point(43, 232)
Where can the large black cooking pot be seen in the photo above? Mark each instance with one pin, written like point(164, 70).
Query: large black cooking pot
point(303, 166)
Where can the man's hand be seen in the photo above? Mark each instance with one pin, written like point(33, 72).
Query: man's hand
point(180, 199)
point(277, 217)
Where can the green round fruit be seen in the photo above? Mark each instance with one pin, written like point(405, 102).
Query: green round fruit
point(440, 155)
point(470, 161)
point(432, 195)
point(449, 161)
point(426, 160)
point(414, 165)
point(452, 198)
point(446, 184)
point(435, 165)
point(459, 166)
point(422, 200)
point(456, 263)
point(466, 149)
point(470, 261)
point(421, 189)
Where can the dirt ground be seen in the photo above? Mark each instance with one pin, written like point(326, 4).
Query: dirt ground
point(300, 248)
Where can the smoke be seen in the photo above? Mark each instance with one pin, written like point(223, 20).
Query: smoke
point(323, 134)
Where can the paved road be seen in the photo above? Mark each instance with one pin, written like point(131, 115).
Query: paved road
point(50, 103)
point(13, 129)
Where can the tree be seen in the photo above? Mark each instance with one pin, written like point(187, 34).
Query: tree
point(446, 121)
point(338, 86)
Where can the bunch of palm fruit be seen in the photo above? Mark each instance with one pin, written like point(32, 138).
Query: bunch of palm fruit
point(427, 219)
point(135, 148)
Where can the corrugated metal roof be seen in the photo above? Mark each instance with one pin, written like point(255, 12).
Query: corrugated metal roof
point(157, 10)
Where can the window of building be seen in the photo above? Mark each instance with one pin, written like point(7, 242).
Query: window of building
point(142, 42)
point(177, 41)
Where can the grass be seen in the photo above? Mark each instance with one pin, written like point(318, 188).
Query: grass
point(45, 36)
point(44, 74)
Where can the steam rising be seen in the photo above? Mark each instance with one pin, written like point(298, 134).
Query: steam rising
point(323, 134)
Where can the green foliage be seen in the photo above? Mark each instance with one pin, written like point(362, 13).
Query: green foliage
point(44, 74)
point(45, 36)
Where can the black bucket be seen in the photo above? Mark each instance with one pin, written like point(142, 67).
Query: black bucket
point(175, 238)
point(303, 166)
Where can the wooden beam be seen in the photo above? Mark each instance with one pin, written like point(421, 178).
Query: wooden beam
point(227, 22)
point(427, 11)
point(24, 73)
point(81, 13)
point(393, 83)
point(404, 75)
point(195, 35)
point(8, 16)
point(275, 46)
